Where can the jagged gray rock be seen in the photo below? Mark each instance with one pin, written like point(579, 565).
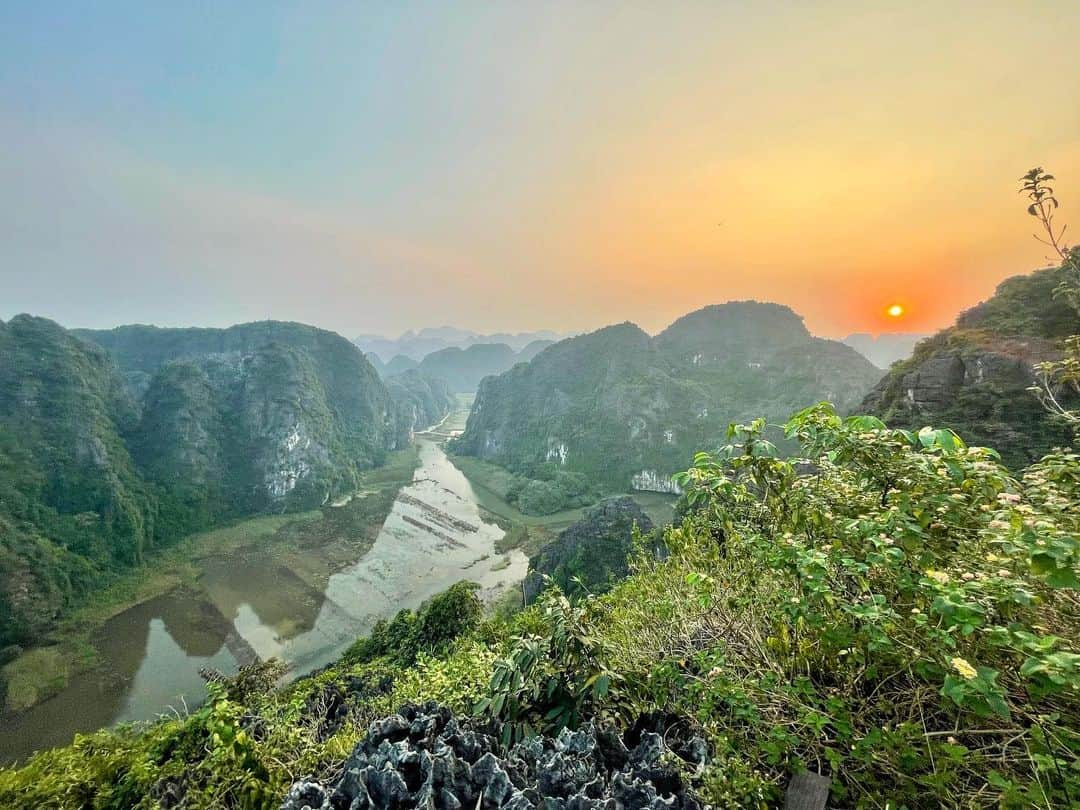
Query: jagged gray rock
point(423, 757)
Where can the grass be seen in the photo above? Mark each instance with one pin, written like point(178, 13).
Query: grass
point(34, 676)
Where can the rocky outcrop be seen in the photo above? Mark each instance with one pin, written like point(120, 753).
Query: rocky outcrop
point(974, 377)
point(628, 410)
point(423, 757)
point(652, 481)
point(592, 553)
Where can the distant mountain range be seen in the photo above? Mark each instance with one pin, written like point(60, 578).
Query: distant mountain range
point(416, 345)
point(628, 410)
point(885, 349)
point(462, 369)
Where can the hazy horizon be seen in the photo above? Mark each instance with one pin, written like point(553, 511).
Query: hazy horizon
point(525, 167)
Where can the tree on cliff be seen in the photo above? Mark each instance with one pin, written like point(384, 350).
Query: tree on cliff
point(1064, 373)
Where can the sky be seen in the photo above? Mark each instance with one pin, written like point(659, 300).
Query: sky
point(375, 167)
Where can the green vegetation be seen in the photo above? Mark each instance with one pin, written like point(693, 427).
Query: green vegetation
point(550, 490)
point(71, 501)
point(531, 532)
point(421, 400)
point(892, 609)
point(429, 630)
point(627, 410)
point(463, 369)
point(33, 677)
point(1058, 386)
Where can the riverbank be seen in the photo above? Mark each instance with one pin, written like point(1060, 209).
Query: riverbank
point(340, 533)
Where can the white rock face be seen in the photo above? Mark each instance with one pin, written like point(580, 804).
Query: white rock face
point(293, 440)
point(291, 463)
point(557, 451)
point(652, 481)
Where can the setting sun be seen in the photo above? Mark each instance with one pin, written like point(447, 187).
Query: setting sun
point(895, 311)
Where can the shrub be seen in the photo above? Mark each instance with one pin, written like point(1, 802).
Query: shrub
point(438, 622)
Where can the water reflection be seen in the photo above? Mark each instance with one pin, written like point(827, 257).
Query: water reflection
point(250, 604)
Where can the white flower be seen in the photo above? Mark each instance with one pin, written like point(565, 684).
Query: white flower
point(964, 669)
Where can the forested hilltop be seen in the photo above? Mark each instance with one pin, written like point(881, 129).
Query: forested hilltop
point(116, 442)
point(974, 376)
point(627, 410)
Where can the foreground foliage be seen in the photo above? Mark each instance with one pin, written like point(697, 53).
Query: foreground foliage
point(893, 609)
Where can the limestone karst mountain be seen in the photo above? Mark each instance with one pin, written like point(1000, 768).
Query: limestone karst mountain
point(628, 410)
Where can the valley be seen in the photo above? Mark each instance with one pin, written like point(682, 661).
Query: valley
point(299, 587)
point(540, 406)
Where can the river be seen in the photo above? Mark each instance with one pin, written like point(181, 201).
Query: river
point(248, 604)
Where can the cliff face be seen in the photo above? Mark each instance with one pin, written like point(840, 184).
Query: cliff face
point(973, 377)
point(594, 550)
point(629, 410)
point(70, 495)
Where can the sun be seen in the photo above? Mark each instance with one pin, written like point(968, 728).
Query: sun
point(895, 311)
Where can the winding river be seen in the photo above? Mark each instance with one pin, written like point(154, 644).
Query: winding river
point(248, 604)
